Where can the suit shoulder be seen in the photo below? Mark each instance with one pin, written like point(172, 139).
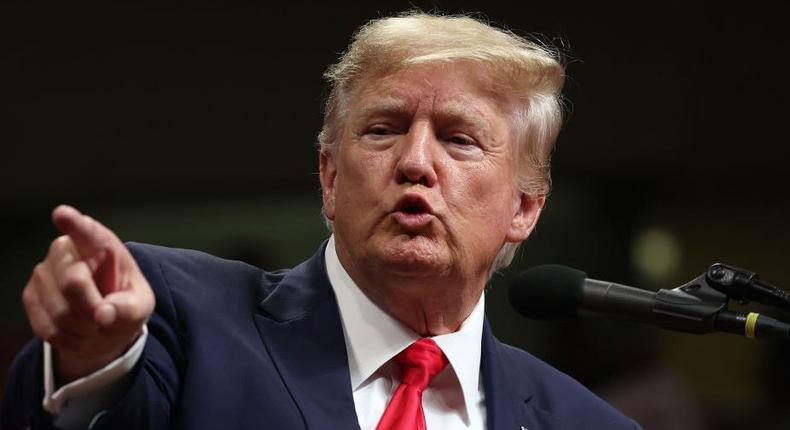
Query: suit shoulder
point(178, 268)
point(146, 253)
point(561, 395)
point(189, 259)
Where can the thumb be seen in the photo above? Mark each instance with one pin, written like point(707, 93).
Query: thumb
point(105, 314)
point(125, 309)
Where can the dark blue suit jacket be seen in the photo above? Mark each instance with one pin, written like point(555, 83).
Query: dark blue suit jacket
point(235, 347)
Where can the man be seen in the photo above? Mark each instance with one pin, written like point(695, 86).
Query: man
point(434, 166)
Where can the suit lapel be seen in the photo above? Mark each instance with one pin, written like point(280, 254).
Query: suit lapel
point(300, 326)
point(508, 396)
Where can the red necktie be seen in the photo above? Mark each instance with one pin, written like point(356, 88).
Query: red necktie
point(420, 362)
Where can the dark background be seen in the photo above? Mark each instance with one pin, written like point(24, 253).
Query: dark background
point(194, 126)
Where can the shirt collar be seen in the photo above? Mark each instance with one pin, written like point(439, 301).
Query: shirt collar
point(373, 336)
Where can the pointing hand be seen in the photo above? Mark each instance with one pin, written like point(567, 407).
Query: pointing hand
point(88, 298)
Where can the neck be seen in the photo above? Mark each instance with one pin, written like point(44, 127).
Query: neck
point(424, 317)
point(428, 305)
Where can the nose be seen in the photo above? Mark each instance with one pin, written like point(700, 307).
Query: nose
point(416, 156)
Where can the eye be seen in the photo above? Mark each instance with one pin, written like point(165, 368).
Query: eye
point(380, 130)
point(461, 140)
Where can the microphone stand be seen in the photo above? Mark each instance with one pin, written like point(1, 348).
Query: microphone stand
point(743, 285)
point(700, 305)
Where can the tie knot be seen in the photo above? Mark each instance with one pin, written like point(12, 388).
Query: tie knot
point(420, 362)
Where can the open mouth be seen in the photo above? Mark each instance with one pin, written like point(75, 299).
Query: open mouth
point(413, 213)
point(412, 205)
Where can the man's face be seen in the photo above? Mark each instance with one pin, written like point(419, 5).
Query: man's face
point(422, 181)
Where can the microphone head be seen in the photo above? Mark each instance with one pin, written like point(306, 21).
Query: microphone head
point(549, 291)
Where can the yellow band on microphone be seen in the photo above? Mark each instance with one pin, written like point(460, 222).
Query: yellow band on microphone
point(751, 325)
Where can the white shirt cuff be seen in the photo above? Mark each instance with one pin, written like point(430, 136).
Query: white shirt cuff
point(80, 390)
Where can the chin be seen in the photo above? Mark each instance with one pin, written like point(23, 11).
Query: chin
point(415, 255)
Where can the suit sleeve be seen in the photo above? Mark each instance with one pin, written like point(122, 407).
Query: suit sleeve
point(154, 383)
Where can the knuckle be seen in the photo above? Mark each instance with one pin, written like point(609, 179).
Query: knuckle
point(59, 245)
point(132, 301)
point(38, 274)
point(138, 310)
point(61, 316)
point(29, 298)
point(121, 299)
point(76, 278)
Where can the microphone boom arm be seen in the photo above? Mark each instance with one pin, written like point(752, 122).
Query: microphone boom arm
point(692, 307)
point(743, 285)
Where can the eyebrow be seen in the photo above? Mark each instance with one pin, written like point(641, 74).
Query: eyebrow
point(457, 108)
point(384, 105)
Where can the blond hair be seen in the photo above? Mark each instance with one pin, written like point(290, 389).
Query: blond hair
point(525, 69)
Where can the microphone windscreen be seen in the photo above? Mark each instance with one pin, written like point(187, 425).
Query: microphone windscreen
point(549, 291)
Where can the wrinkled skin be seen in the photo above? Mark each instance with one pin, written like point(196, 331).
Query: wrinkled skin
point(87, 298)
point(421, 192)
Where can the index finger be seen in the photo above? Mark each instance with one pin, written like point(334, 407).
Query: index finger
point(90, 237)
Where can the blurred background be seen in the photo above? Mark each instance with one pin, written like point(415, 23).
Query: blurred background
point(194, 126)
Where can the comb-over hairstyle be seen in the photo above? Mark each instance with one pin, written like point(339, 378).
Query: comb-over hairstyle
point(525, 70)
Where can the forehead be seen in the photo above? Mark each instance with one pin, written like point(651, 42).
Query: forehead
point(452, 88)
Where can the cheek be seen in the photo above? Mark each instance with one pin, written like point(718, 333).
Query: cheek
point(483, 202)
point(361, 178)
point(367, 169)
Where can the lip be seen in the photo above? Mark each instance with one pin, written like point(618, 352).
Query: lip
point(413, 212)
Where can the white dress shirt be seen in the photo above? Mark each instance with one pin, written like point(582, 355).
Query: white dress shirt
point(78, 403)
point(454, 399)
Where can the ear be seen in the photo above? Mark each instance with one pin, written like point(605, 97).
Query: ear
point(327, 175)
point(525, 217)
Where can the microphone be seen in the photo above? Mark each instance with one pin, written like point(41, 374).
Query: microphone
point(743, 285)
point(558, 292)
